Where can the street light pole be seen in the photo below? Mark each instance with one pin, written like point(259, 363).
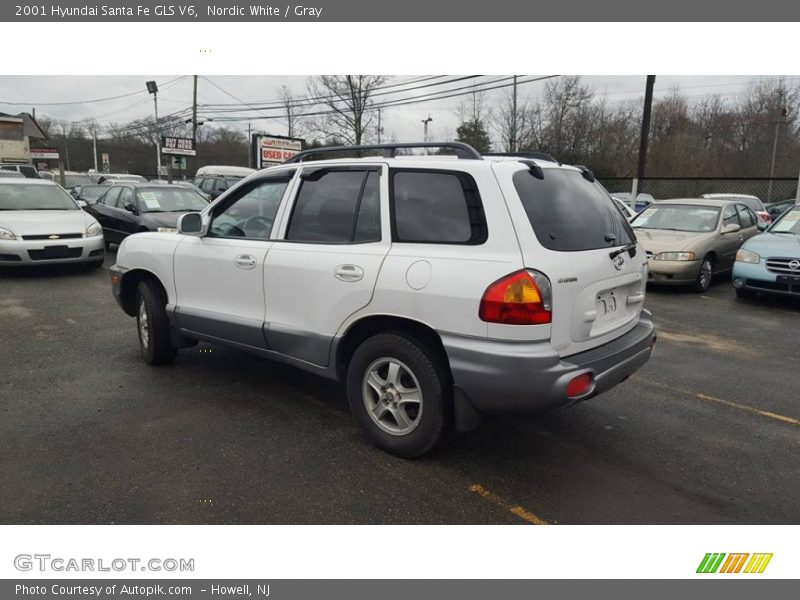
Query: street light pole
point(152, 88)
point(425, 123)
point(94, 146)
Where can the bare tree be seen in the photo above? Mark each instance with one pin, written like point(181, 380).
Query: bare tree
point(289, 101)
point(512, 123)
point(474, 117)
point(346, 102)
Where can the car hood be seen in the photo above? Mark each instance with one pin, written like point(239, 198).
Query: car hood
point(165, 219)
point(45, 222)
point(659, 240)
point(774, 244)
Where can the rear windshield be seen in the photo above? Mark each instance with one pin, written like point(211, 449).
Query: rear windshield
point(569, 213)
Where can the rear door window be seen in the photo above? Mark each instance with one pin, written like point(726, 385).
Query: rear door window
point(436, 207)
point(336, 206)
point(110, 199)
point(569, 213)
point(747, 217)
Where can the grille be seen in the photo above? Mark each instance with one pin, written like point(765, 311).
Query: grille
point(49, 253)
point(46, 236)
point(781, 265)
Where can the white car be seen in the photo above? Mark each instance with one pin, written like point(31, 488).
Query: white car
point(626, 210)
point(41, 223)
point(438, 288)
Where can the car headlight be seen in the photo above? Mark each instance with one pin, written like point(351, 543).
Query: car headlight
point(167, 229)
point(5, 234)
point(678, 256)
point(93, 230)
point(745, 256)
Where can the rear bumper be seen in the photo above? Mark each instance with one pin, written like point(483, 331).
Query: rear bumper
point(32, 252)
point(501, 376)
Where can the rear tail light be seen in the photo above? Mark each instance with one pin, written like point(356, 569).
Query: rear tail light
point(522, 298)
point(580, 385)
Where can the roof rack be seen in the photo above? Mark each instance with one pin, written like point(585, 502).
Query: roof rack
point(534, 155)
point(460, 149)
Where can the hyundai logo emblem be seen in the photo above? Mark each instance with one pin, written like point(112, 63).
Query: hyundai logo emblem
point(795, 264)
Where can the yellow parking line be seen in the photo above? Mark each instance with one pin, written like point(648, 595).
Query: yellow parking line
point(505, 504)
point(729, 403)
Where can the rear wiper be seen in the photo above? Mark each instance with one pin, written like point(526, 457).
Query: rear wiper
point(629, 248)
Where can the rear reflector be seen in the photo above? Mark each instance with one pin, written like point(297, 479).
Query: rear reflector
point(522, 298)
point(580, 385)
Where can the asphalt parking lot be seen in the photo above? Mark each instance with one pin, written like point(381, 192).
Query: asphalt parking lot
point(707, 432)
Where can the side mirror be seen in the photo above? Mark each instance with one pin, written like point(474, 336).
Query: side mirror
point(130, 207)
point(191, 224)
point(731, 228)
point(82, 203)
point(762, 226)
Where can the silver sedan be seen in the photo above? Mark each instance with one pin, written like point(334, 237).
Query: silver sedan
point(41, 223)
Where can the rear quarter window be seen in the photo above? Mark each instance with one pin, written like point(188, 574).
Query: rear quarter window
point(436, 207)
point(569, 213)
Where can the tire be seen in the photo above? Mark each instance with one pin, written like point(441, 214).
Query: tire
point(152, 325)
point(745, 294)
point(704, 276)
point(400, 392)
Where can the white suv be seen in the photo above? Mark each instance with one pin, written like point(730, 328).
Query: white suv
point(437, 287)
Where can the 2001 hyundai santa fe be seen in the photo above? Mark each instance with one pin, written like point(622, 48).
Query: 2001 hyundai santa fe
point(438, 287)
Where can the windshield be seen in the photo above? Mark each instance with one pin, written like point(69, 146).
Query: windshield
point(788, 223)
point(35, 197)
point(170, 200)
point(678, 217)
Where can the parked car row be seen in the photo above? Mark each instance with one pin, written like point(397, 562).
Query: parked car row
point(689, 241)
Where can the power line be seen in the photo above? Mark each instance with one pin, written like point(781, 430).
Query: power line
point(311, 100)
point(72, 102)
point(416, 100)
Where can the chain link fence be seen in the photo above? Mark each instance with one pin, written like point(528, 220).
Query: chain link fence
point(661, 188)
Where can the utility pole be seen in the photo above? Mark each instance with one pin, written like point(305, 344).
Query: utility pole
point(783, 113)
point(380, 129)
point(514, 119)
point(643, 140)
point(194, 118)
point(194, 109)
point(66, 142)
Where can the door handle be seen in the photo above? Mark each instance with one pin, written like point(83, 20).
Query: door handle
point(245, 261)
point(348, 273)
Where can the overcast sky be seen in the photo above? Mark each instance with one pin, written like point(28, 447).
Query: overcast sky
point(402, 122)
